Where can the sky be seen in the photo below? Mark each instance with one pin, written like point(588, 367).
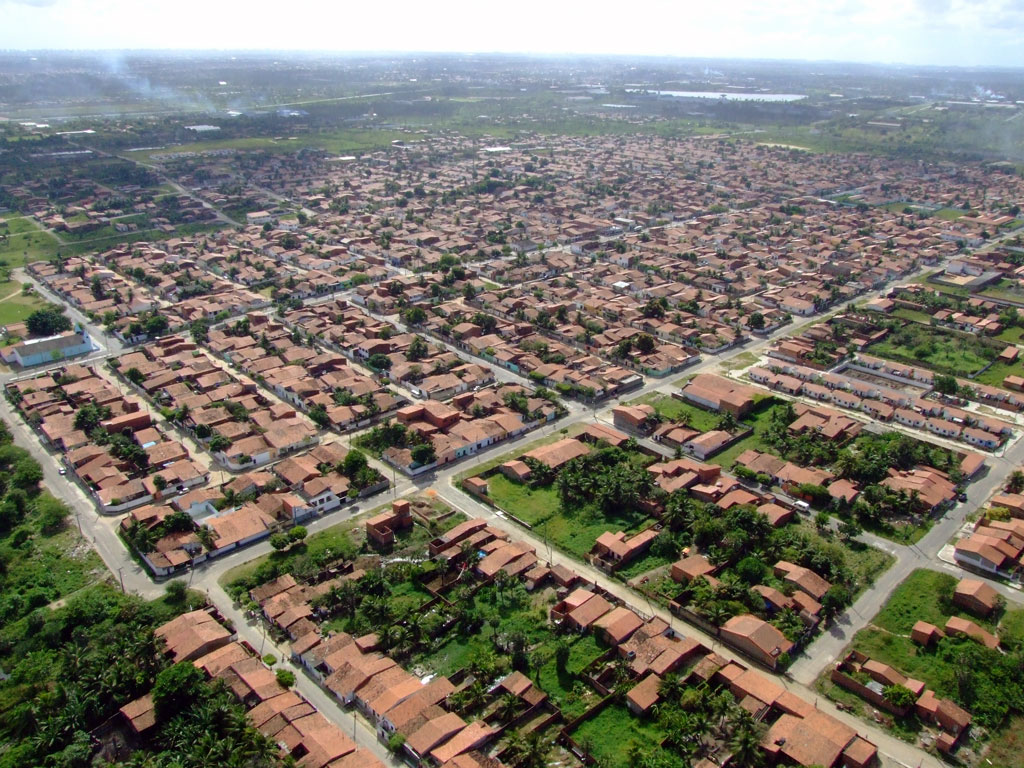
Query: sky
point(935, 32)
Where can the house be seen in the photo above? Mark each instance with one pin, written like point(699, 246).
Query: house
point(976, 596)
point(614, 550)
point(381, 528)
point(617, 625)
point(636, 418)
point(756, 638)
point(644, 695)
point(556, 455)
point(816, 739)
point(966, 628)
point(925, 634)
point(708, 444)
point(804, 579)
point(191, 635)
point(580, 609)
point(691, 567)
point(943, 712)
point(717, 393)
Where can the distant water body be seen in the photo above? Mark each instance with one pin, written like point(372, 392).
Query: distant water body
point(720, 95)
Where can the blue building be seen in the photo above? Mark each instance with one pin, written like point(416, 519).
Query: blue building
point(51, 349)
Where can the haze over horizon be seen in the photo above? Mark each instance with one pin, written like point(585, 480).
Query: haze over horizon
point(916, 32)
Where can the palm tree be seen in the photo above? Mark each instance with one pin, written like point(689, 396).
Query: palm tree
point(671, 688)
point(507, 707)
point(745, 741)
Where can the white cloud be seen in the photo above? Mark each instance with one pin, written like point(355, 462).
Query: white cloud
point(913, 31)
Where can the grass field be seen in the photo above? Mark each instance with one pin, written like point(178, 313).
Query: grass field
point(610, 735)
point(334, 141)
point(671, 409)
point(1007, 745)
point(923, 596)
point(994, 376)
point(26, 243)
point(16, 308)
point(533, 505)
point(759, 420)
point(1011, 335)
point(571, 531)
point(937, 349)
point(913, 315)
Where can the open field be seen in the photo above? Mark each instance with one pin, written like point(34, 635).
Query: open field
point(960, 669)
point(759, 419)
point(940, 350)
point(16, 308)
point(672, 409)
point(335, 141)
point(610, 734)
point(26, 243)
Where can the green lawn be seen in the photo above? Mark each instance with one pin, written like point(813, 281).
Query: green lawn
point(923, 596)
point(994, 376)
point(937, 349)
point(912, 315)
point(671, 409)
point(1007, 745)
point(610, 735)
point(18, 307)
point(1010, 335)
point(949, 214)
point(31, 245)
point(341, 141)
point(530, 504)
point(325, 545)
point(759, 420)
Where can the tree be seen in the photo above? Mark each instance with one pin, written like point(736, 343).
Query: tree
point(756, 321)
point(135, 376)
point(200, 330)
point(379, 362)
point(285, 677)
point(414, 316)
point(833, 601)
point(899, 696)
point(319, 416)
point(175, 591)
point(298, 533)
point(280, 541)
point(424, 453)
point(418, 349)
point(727, 422)
point(945, 385)
point(645, 343)
point(48, 321)
point(1015, 483)
point(354, 462)
point(51, 513)
point(177, 689)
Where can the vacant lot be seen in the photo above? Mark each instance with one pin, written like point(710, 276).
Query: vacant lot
point(977, 678)
point(944, 351)
point(610, 735)
point(671, 409)
point(14, 307)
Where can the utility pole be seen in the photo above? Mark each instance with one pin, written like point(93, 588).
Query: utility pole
point(120, 576)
